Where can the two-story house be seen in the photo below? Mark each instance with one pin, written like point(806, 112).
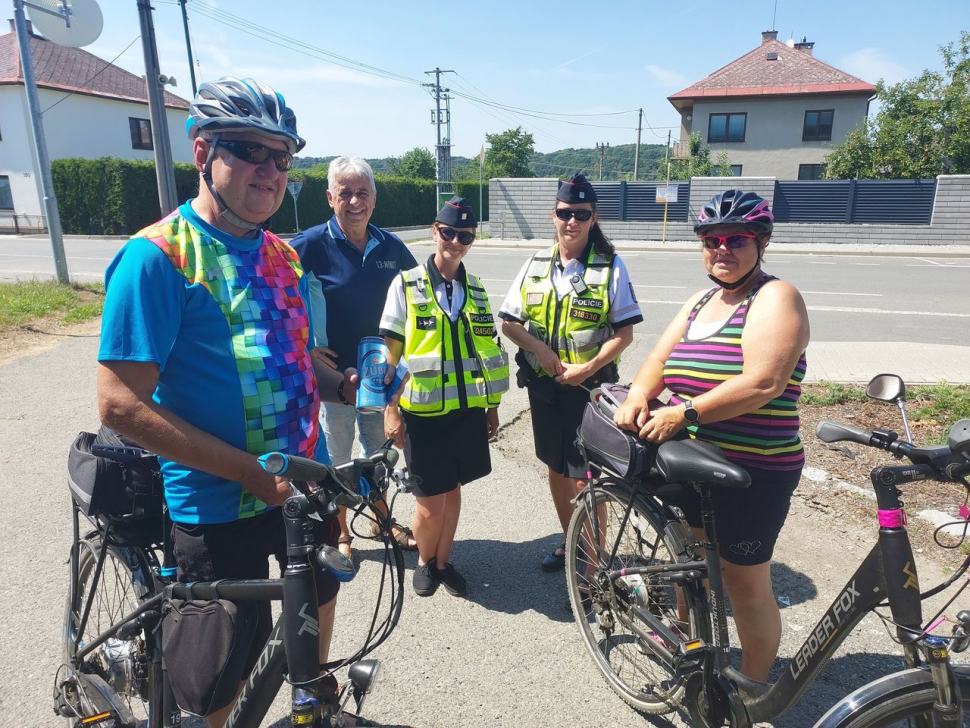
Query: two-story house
point(776, 111)
point(91, 109)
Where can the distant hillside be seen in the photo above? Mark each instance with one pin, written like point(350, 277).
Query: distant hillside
point(617, 162)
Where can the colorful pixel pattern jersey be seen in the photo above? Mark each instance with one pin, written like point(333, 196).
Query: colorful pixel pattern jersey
point(227, 323)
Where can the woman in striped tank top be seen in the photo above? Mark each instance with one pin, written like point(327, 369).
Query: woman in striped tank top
point(734, 357)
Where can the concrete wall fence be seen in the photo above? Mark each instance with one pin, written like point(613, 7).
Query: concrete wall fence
point(521, 209)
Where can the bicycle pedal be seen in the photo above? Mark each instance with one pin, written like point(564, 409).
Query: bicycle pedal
point(690, 656)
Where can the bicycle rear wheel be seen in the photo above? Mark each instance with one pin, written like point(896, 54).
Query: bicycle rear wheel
point(121, 665)
point(901, 700)
point(603, 611)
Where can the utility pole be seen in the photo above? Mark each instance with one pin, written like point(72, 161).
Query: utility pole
point(188, 46)
point(40, 143)
point(636, 157)
point(667, 156)
point(164, 168)
point(602, 147)
point(437, 120)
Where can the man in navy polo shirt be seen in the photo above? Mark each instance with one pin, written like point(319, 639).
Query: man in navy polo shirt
point(350, 264)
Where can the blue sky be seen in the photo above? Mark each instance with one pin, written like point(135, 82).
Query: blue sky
point(564, 57)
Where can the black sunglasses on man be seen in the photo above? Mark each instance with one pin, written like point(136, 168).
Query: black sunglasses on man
point(256, 153)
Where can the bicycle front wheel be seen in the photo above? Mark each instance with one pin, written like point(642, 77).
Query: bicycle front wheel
point(603, 611)
point(901, 700)
point(121, 664)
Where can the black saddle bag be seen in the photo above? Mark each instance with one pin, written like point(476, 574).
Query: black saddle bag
point(205, 644)
point(606, 445)
point(129, 494)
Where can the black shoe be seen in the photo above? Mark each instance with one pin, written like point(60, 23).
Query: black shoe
point(554, 561)
point(454, 582)
point(425, 580)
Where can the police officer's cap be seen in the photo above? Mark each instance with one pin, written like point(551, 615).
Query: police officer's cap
point(576, 190)
point(457, 213)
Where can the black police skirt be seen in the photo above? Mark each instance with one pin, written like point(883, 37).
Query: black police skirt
point(447, 450)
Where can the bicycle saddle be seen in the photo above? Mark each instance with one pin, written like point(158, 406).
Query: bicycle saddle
point(699, 462)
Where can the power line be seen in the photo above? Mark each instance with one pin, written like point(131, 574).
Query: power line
point(89, 80)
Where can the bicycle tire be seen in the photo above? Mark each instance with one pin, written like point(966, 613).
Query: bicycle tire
point(895, 701)
point(122, 664)
point(648, 537)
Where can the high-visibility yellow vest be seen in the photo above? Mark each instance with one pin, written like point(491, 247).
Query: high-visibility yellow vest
point(453, 364)
point(575, 326)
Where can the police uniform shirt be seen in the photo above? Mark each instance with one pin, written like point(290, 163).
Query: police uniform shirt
point(624, 309)
point(396, 306)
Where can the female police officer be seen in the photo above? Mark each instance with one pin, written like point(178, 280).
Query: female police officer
point(571, 310)
point(437, 317)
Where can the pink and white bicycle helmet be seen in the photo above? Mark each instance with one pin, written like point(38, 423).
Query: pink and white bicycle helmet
point(735, 207)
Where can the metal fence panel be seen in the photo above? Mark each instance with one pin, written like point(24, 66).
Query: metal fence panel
point(641, 202)
point(637, 201)
point(608, 202)
point(899, 201)
point(811, 201)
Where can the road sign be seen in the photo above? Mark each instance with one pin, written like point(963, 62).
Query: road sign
point(294, 187)
point(666, 193)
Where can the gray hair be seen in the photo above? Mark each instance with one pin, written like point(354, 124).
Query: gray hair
point(348, 167)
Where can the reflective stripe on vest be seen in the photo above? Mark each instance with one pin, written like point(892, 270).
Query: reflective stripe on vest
point(448, 374)
point(582, 325)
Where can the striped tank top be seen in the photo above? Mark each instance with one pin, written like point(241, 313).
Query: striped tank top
point(766, 438)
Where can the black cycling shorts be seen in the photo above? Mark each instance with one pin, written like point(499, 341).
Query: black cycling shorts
point(748, 520)
point(241, 550)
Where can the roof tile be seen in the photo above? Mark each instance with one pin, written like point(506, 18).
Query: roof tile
point(794, 72)
point(73, 69)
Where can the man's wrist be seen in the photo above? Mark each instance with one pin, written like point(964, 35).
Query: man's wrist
point(340, 392)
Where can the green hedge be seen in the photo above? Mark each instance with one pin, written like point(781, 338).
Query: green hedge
point(112, 196)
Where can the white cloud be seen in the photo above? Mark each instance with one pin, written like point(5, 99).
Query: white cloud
point(664, 76)
point(872, 64)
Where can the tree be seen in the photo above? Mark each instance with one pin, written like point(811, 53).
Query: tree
point(698, 162)
point(922, 128)
point(508, 154)
point(419, 163)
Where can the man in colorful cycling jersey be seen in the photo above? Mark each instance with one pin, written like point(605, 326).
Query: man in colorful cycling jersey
point(205, 349)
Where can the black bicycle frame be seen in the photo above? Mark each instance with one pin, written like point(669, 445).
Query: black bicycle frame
point(293, 645)
point(887, 573)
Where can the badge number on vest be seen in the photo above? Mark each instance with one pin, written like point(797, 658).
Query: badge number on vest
point(425, 323)
point(483, 330)
point(578, 313)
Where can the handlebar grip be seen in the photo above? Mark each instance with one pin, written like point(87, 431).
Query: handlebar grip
point(295, 467)
point(828, 431)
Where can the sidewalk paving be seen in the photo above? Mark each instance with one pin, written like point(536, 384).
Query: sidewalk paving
point(858, 361)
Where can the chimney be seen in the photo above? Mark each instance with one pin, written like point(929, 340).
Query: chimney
point(805, 46)
point(767, 35)
point(13, 27)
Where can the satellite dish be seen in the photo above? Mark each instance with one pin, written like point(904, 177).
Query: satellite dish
point(85, 18)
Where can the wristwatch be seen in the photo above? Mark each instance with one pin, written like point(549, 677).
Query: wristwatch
point(690, 414)
point(340, 392)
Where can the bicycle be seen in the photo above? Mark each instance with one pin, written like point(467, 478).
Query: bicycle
point(629, 553)
point(115, 672)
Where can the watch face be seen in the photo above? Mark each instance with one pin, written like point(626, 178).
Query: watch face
point(690, 414)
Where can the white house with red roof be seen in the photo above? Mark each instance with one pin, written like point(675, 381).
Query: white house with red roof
point(91, 109)
point(776, 111)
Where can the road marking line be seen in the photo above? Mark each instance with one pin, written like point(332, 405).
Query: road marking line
point(917, 265)
point(932, 262)
point(845, 309)
point(820, 262)
point(496, 280)
point(680, 288)
point(840, 293)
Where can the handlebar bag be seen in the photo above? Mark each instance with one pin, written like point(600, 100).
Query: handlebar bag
point(101, 486)
point(606, 445)
point(205, 643)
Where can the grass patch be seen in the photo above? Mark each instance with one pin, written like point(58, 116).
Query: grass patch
point(24, 301)
point(826, 394)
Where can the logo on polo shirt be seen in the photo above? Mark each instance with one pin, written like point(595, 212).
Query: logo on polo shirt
point(386, 264)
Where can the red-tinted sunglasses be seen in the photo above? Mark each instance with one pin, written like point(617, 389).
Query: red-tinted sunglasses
point(733, 241)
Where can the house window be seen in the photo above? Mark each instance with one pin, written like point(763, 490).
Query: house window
point(818, 126)
point(6, 199)
point(141, 133)
point(811, 171)
point(726, 127)
point(735, 170)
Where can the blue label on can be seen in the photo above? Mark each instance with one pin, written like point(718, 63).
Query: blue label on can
point(371, 366)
